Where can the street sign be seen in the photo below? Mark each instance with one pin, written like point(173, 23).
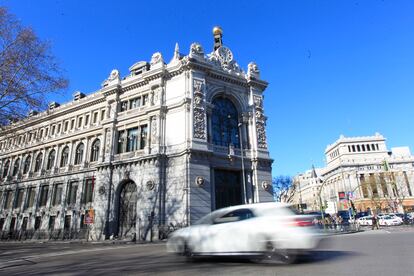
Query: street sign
point(89, 216)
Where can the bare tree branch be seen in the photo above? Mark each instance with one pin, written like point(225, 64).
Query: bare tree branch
point(28, 71)
point(283, 188)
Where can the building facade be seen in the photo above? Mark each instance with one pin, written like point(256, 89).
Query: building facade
point(363, 172)
point(160, 147)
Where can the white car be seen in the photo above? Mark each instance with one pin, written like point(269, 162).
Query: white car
point(365, 221)
point(389, 220)
point(270, 230)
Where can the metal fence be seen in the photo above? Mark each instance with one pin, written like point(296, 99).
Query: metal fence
point(20, 235)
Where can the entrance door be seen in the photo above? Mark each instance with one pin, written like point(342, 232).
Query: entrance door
point(227, 188)
point(127, 210)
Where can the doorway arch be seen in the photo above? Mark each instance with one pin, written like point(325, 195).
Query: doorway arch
point(127, 198)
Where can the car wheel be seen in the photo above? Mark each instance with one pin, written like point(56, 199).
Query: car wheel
point(273, 254)
point(183, 248)
point(287, 256)
point(187, 252)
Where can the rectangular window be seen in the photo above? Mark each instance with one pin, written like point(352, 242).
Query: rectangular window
point(72, 124)
point(86, 120)
point(144, 99)
point(31, 197)
point(52, 222)
point(88, 192)
point(66, 225)
point(132, 139)
point(66, 126)
point(102, 114)
point(124, 106)
point(121, 141)
point(13, 224)
point(95, 117)
point(43, 195)
point(24, 223)
point(143, 138)
point(52, 132)
point(80, 121)
point(73, 190)
point(58, 128)
point(8, 199)
point(46, 132)
point(57, 194)
point(134, 103)
point(38, 222)
point(19, 199)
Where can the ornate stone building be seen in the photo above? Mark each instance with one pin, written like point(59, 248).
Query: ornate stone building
point(364, 171)
point(161, 146)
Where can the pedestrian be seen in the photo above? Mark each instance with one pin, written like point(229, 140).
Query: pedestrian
point(374, 222)
point(340, 225)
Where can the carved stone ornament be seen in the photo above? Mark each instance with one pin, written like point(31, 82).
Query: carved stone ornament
point(199, 111)
point(261, 135)
point(253, 70)
point(154, 96)
point(113, 78)
point(102, 190)
point(150, 185)
point(266, 186)
point(154, 131)
point(258, 103)
point(196, 50)
point(223, 58)
point(199, 181)
point(156, 58)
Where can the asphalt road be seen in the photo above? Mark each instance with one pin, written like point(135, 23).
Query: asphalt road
point(389, 251)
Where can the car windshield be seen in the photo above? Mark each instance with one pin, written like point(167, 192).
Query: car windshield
point(208, 219)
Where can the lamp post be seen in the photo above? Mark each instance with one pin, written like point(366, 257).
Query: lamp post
point(240, 124)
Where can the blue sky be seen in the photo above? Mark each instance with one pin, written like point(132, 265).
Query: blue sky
point(333, 67)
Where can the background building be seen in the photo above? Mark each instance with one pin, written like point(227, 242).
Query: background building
point(160, 147)
point(364, 171)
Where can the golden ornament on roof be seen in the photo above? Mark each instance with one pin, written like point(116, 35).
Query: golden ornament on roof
point(217, 30)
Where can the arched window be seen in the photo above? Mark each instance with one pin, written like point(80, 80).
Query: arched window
point(27, 164)
point(65, 157)
point(79, 154)
point(16, 167)
point(224, 122)
point(38, 162)
point(51, 159)
point(95, 150)
point(6, 168)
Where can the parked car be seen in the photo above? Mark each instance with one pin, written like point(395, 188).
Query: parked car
point(361, 214)
point(393, 216)
point(365, 221)
point(389, 220)
point(268, 230)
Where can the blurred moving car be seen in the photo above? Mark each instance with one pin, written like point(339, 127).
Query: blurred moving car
point(365, 221)
point(271, 230)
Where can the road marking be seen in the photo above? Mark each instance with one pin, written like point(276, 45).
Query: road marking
point(27, 259)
